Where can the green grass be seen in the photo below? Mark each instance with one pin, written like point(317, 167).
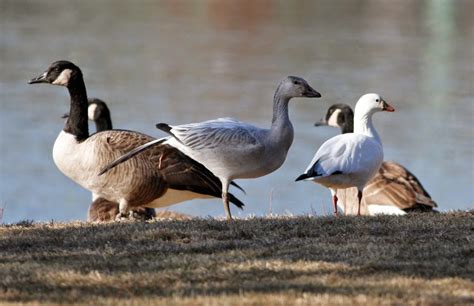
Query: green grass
point(416, 259)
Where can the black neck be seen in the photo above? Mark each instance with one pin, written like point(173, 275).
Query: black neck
point(348, 125)
point(103, 124)
point(76, 123)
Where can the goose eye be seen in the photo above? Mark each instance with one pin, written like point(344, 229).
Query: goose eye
point(377, 100)
point(295, 82)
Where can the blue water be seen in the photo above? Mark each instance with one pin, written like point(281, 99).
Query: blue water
point(179, 62)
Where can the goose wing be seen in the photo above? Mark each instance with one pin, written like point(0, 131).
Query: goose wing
point(112, 144)
point(331, 158)
point(341, 154)
point(120, 140)
point(395, 185)
point(213, 134)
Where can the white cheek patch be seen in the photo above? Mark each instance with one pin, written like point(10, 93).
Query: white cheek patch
point(91, 112)
point(333, 119)
point(63, 78)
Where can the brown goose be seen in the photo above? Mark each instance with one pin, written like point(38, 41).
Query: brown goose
point(393, 190)
point(102, 209)
point(161, 177)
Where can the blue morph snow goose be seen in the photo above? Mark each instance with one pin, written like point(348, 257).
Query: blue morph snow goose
point(233, 149)
point(350, 160)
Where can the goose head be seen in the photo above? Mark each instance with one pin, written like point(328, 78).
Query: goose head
point(97, 109)
point(339, 115)
point(293, 87)
point(59, 73)
point(371, 103)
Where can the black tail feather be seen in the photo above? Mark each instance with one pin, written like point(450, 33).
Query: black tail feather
point(238, 187)
point(236, 201)
point(164, 127)
point(302, 177)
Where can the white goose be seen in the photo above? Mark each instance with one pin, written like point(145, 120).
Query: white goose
point(161, 177)
point(393, 190)
point(350, 160)
point(232, 149)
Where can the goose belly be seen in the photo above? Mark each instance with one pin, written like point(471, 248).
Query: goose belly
point(380, 209)
point(342, 181)
point(241, 165)
point(242, 168)
point(173, 196)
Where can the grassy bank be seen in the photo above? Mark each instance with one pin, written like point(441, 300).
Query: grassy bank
point(417, 259)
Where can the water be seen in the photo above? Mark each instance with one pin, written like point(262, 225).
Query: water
point(184, 61)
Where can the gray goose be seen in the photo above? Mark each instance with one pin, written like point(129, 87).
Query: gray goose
point(232, 149)
point(160, 177)
point(393, 190)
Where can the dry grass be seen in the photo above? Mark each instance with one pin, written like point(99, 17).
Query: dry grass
point(417, 259)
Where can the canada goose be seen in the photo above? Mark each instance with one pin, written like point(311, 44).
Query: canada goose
point(102, 209)
point(232, 149)
point(393, 190)
point(352, 159)
point(161, 177)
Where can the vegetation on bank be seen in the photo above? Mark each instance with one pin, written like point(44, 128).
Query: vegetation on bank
point(415, 259)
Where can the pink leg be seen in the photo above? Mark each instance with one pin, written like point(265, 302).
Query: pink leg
point(359, 196)
point(334, 203)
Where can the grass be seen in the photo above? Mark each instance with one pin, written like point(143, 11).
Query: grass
point(421, 259)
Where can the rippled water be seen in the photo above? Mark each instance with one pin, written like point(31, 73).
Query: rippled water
point(187, 61)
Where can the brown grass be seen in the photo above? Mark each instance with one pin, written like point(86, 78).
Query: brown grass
point(418, 259)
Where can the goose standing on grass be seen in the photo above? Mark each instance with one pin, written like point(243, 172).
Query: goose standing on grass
point(161, 177)
point(232, 149)
point(350, 160)
point(393, 190)
point(105, 210)
point(102, 209)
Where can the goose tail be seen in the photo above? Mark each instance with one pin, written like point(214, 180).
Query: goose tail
point(304, 177)
point(164, 127)
point(236, 201)
point(238, 187)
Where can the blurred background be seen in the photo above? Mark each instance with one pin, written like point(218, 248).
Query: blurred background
point(188, 61)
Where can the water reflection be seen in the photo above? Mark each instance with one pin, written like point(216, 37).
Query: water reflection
point(180, 61)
